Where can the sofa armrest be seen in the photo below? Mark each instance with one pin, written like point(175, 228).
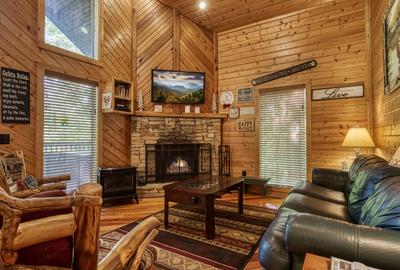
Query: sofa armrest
point(329, 178)
point(327, 237)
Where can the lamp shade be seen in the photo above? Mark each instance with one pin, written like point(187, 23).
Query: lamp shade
point(358, 138)
point(395, 161)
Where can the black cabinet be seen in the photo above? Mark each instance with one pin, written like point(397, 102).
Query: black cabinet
point(118, 183)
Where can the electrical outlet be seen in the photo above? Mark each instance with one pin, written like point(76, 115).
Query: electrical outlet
point(4, 138)
point(244, 173)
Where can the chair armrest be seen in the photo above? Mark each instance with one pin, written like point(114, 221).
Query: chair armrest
point(329, 178)
point(54, 179)
point(327, 237)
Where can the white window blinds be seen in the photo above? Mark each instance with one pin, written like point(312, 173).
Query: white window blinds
point(283, 136)
point(70, 130)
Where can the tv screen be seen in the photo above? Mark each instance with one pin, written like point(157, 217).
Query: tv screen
point(178, 87)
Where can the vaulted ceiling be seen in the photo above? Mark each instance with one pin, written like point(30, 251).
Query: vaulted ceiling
point(221, 15)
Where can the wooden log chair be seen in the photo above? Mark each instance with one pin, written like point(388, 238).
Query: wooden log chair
point(13, 171)
point(49, 227)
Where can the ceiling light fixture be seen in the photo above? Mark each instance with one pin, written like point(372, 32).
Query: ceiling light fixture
point(202, 5)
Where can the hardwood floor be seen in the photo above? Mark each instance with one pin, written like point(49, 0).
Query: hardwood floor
point(113, 217)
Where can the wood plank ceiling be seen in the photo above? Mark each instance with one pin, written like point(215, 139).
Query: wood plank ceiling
point(221, 15)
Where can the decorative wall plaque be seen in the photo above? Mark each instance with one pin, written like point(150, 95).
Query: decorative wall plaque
point(338, 92)
point(226, 99)
point(15, 93)
point(234, 112)
point(284, 73)
point(247, 110)
point(245, 95)
point(106, 102)
point(246, 125)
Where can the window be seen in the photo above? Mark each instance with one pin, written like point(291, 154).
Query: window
point(70, 130)
point(72, 25)
point(283, 136)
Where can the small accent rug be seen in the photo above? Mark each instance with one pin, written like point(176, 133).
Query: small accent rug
point(184, 245)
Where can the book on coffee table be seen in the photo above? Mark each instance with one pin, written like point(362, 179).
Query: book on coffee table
point(339, 264)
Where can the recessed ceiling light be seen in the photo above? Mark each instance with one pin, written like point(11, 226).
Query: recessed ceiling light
point(202, 5)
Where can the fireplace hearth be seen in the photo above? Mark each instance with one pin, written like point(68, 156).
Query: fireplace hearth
point(170, 162)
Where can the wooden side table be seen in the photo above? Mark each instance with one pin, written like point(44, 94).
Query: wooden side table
point(314, 262)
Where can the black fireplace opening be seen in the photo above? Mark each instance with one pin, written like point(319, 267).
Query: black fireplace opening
point(169, 162)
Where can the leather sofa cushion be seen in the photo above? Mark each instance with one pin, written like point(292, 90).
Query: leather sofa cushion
point(272, 251)
point(382, 208)
point(357, 166)
point(364, 185)
point(306, 204)
point(319, 192)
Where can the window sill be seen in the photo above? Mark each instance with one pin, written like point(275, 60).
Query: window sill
point(69, 54)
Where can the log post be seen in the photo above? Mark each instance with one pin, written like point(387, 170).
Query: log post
point(86, 244)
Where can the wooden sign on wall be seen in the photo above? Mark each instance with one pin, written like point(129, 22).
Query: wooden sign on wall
point(246, 125)
point(245, 95)
point(15, 94)
point(338, 92)
point(284, 73)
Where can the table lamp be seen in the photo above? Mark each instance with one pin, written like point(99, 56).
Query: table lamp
point(358, 138)
point(395, 161)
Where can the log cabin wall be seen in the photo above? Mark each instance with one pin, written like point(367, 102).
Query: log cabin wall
point(19, 49)
point(331, 32)
point(386, 114)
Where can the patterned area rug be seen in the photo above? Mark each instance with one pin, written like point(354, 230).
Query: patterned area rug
point(184, 245)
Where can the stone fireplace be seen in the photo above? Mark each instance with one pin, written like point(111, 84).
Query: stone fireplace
point(179, 136)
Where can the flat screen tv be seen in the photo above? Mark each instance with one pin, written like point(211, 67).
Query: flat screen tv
point(177, 87)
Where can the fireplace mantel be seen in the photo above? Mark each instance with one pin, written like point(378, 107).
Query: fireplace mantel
point(182, 115)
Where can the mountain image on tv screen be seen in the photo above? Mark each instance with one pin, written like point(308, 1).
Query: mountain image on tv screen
point(178, 87)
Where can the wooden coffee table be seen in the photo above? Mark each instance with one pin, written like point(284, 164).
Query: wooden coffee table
point(315, 262)
point(201, 191)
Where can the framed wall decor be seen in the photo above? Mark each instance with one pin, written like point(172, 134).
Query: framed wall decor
point(246, 125)
point(245, 94)
point(341, 92)
point(391, 45)
point(234, 112)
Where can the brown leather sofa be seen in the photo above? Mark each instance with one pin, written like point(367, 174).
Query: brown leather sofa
point(352, 215)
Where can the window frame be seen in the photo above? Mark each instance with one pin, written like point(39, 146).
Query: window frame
point(307, 87)
point(41, 43)
point(42, 71)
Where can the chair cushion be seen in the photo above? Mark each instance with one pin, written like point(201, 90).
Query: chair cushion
point(364, 185)
point(382, 208)
point(52, 253)
point(319, 192)
point(306, 204)
point(357, 166)
point(272, 251)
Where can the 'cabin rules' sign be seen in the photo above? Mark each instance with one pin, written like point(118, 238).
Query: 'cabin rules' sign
point(15, 88)
point(338, 92)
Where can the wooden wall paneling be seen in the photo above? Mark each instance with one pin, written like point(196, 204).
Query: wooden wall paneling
point(197, 54)
point(176, 43)
point(18, 39)
point(386, 113)
point(155, 33)
point(335, 36)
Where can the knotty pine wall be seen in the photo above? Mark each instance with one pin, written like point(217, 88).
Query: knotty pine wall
point(192, 49)
point(334, 34)
point(386, 113)
point(151, 37)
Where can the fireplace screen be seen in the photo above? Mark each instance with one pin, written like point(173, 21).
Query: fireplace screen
point(168, 162)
